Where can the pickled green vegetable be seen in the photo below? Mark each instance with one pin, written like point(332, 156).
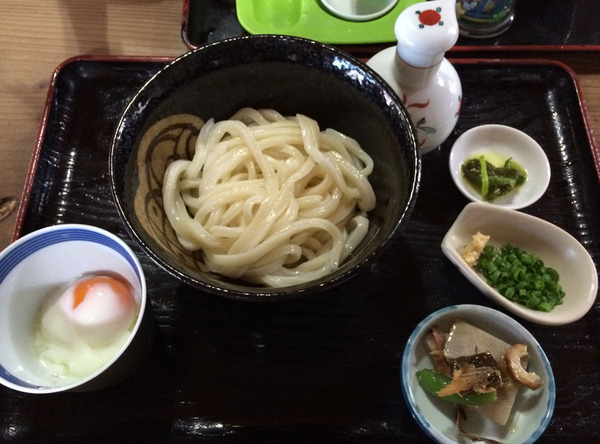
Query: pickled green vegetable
point(491, 181)
point(432, 382)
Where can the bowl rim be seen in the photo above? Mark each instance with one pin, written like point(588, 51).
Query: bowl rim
point(241, 292)
point(538, 183)
point(464, 311)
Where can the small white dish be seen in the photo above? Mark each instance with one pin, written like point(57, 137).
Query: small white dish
point(502, 142)
point(533, 409)
point(557, 248)
point(359, 10)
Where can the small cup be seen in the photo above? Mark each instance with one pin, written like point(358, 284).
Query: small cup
point(484, 18)
point(50, 258)
point(359, 10)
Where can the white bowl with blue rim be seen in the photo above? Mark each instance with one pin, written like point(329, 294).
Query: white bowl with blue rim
point(48, 259)
point(532, 410)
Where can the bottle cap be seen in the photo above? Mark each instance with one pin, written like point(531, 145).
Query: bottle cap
point(425, 31)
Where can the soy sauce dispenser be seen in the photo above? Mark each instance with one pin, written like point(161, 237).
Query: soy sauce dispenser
point(417, 70)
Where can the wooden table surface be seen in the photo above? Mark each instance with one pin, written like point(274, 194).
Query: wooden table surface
point(35, 37)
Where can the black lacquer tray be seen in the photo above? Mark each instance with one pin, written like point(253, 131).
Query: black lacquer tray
point(325, 368)
point(538, 25)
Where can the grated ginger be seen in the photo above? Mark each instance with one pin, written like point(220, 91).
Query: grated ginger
point(472, 250)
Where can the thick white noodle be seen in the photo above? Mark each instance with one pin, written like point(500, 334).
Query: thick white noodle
point(270, 199)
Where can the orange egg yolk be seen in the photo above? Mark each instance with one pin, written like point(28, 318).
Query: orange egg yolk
point(120, 289)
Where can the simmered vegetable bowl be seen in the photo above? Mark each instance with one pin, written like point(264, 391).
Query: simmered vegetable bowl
point(532, 409)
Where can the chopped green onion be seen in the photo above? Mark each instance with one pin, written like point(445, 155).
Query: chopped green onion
point(521, 277)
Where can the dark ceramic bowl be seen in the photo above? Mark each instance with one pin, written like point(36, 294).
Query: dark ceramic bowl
point(291, 75)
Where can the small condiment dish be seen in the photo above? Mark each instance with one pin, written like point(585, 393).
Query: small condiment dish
point(499, 143)
point(359, 10)
point(532, 410)
point(557, 249)
point(43, 262)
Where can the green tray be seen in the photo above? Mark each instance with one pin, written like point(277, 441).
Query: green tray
point(307, 18)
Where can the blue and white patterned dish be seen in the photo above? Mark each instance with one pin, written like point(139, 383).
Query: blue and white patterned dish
point(533, 409)
point(47, 259)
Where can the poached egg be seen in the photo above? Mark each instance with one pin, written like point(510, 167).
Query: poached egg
point(83, 327)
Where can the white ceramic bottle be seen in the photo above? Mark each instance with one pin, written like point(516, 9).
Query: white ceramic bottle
point(416, 68)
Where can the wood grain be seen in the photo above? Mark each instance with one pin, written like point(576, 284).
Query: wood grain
point(36, 37)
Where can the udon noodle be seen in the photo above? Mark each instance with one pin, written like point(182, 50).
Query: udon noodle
point(270, 199)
